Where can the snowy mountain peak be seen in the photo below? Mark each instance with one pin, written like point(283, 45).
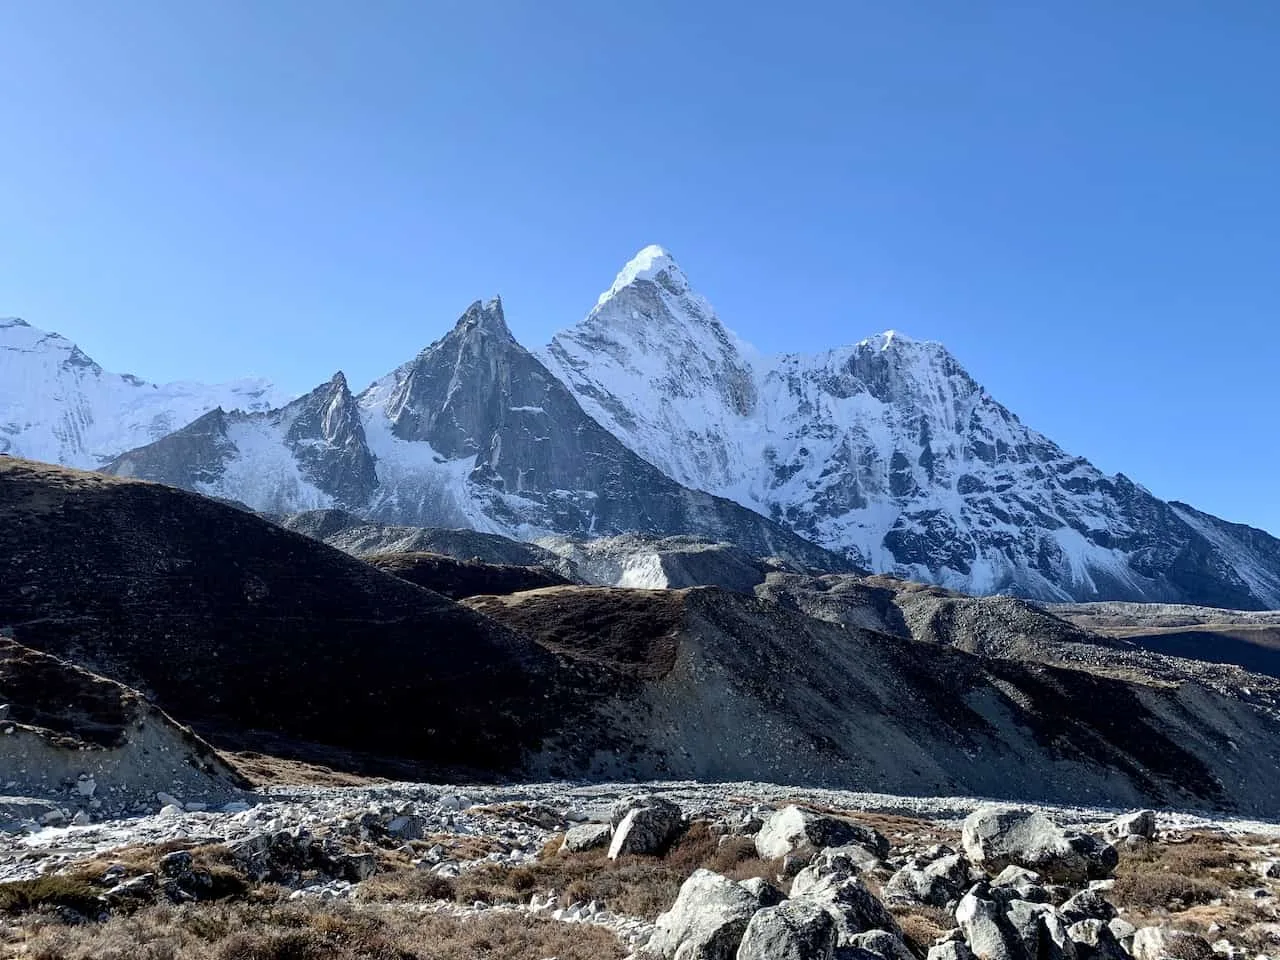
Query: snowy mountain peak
point(6, 322)
point(891, 338)
point(652, 263)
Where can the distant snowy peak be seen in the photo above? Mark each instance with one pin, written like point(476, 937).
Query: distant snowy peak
point(58, 405)
point(889, 451)
point(653, 364)
point(652, 263)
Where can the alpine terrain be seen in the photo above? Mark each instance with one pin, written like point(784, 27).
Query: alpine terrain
point(651, 418)
point(57, 405)
point(889, 452)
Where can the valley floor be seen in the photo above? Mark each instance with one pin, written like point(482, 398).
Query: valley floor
point(281, 807)
point(478, 868)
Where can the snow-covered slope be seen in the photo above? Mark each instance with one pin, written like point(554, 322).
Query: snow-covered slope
point(473, 432)
point(890, 452)
point(57, 405)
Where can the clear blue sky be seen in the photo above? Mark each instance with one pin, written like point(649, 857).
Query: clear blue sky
point(1079, 198)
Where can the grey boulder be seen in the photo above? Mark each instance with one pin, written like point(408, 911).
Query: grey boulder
point(854, 908)
point(877, 943)
point(794, 828)
point(586, 836)
point(707, 921)
point(1095, 941)
point(994, 839)
point(1156, 943)
point(1141, 823)
point(936, 884)
point(1087, 905)
point(984, 927)
point(951, 950)
point(1039, 933)
point(646, 829)
point(792, 930)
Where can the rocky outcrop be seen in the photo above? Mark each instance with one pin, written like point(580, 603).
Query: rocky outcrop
point(93, 747)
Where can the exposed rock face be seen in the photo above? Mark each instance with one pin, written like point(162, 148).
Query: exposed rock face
point(641, 419)
point(457, 579)
point(888, 450)
point(310, 453)
point(94, 744)
point(473, 432)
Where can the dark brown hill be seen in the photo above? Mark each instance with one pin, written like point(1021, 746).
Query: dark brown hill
point(458, 579)
point(710, 684)
point(234, 624)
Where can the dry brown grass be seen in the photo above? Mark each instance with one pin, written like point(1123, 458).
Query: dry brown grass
point(408, 885)
point(80, 887)
point(464, 846)
point(922, 925)
point(25, 896)
point(264, 770)
point(1175, 876)
point(632, 885)
point(317, 932)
